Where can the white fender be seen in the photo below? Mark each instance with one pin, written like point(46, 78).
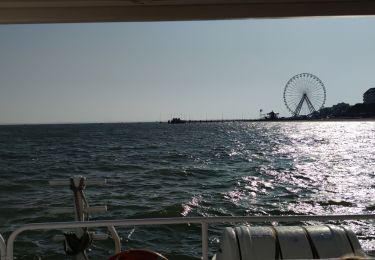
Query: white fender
point(259, 243)
point(323, 241)
point(333, 242)
point(256, 242)
point(228, 246)
point(243, 242)
point(293, 243)
point(343, 247)
point(358, 251)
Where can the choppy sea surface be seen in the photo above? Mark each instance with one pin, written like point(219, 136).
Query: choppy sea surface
point(161, 170)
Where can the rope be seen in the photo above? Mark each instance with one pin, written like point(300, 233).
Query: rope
point(76, 191)
point(72, 244)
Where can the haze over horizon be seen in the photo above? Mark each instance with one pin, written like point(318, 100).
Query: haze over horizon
point(136, 72)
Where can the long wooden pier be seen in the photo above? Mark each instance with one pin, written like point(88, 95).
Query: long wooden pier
point(180, 121)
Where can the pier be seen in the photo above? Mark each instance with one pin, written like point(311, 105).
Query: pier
point(181, 121)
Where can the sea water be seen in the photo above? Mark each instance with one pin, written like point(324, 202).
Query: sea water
point(201, 169)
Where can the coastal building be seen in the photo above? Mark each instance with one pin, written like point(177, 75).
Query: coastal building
point(369, 96)
point(272, 116)
point(339, 110)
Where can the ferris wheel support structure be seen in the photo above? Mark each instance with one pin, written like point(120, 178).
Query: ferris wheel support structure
point(309, 105)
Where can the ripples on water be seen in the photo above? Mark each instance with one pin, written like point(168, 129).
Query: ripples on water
point(160, 170)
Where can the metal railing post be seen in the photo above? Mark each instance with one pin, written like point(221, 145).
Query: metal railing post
point(205, 240)
point(3, 248)
point(116, 239)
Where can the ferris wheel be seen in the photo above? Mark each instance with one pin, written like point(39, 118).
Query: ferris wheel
point(304, 94)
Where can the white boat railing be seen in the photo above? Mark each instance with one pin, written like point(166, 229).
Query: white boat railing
point(203, 221)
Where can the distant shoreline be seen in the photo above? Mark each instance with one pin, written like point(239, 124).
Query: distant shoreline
point(325, 119)
point(357, 119)
point(365, 119)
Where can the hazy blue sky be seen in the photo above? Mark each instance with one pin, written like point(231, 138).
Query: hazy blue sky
point(118, 72)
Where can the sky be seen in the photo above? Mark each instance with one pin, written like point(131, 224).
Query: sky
point(140, 72)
